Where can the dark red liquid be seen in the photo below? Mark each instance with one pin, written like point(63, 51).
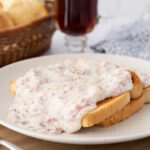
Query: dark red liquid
point(76, 17)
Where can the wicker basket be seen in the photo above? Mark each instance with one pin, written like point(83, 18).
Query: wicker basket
point(27, 40)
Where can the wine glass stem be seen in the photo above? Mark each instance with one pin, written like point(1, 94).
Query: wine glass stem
point(75, 44)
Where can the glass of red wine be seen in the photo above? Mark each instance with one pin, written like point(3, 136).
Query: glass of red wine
point(76, 18)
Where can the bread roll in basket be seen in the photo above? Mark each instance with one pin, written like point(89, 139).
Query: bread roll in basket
point(28, 39)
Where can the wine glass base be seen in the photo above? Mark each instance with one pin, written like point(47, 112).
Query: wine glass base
point(75, 44)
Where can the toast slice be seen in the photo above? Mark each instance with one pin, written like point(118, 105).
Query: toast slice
point(147, 95)
point(104, 109)
point(136, 103)
point(92, 116)
point(131, 108)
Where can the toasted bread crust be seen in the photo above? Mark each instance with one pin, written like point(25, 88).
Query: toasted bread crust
point(147, 95)
point(131, 108)
point(105, 109)
point(137, 86)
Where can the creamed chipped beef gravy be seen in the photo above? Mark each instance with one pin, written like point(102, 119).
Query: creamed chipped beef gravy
point(56, 97)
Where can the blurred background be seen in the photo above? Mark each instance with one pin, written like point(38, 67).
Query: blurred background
point(30, 28)
point(119, 15)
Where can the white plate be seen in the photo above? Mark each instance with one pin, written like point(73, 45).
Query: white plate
point(136, 127)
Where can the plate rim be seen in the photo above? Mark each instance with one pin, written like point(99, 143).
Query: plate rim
point(75, 140)
point(70, 54)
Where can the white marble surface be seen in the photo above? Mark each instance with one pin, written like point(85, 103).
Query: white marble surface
point(127, 12)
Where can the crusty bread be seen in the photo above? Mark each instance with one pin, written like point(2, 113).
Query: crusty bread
point(23, 11)
point(1, 6)
point(5, 21)
point(105, 109)
point(137, 86)
point(131, 108)
point(147, 95)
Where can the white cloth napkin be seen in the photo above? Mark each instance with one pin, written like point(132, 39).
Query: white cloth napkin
point(131, 40)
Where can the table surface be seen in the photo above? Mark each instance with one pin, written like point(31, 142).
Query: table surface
point(28, 143)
